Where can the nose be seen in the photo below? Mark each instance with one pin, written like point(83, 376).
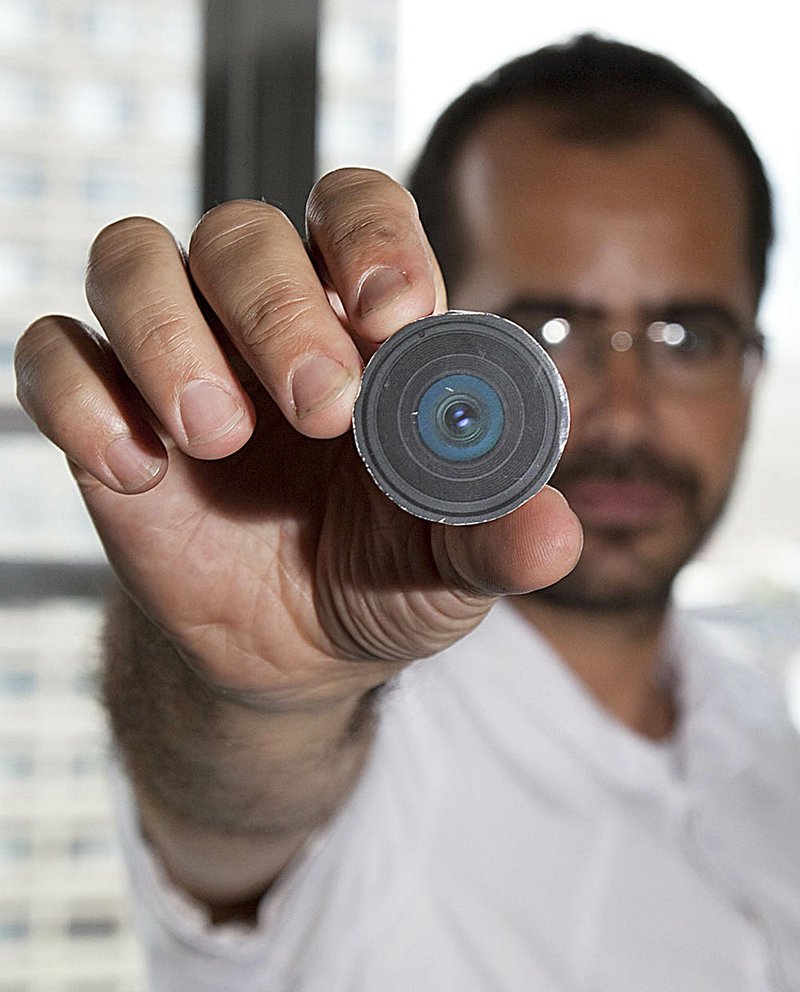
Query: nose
point(616, 400)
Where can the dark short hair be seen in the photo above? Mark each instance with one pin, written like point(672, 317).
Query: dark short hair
point(605, 92)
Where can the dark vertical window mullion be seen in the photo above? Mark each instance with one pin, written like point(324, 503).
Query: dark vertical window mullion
point(261, 102)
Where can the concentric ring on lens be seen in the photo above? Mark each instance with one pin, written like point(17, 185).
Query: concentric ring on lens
point(461, 417)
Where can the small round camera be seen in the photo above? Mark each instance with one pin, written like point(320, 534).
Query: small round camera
point(461, 417)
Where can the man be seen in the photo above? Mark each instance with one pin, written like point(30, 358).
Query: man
point(581, 794)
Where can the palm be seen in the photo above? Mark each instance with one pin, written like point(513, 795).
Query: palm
point(282, 551)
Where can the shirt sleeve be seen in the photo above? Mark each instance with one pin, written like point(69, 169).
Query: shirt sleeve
point(183, 947)
point(348, 884)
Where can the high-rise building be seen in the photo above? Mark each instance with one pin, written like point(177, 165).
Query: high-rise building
point(100, 118)
point(64, 922)
point(358, 84)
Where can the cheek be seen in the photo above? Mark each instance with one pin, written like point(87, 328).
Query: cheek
point(703, 435)
point(706, 435)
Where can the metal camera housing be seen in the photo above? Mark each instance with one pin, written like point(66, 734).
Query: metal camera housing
point(461, 417)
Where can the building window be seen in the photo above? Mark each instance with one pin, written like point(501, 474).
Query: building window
point(92, 927)
point(22, 266)
point(18, 681)
point(111, 185)
point(91, 848)
point(112, 27)
point(26, 97)
point(100, 108)
point(13, 930)
point(100, 117)
point(22, 177)
point(16, 763)
point(23, 23)
point(14, 850)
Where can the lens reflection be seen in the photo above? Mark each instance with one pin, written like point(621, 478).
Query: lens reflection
point(460, 417)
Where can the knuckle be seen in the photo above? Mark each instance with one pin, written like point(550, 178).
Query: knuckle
point(358, 209)
point(368, 228)
point(158, 331)
point(230, 225)
point(125, 237)
point(36, 341)
point(74, 399)
point(276, 314)
point(265, 305)
point(46, 381)
point(348, 181)
point(121, 245)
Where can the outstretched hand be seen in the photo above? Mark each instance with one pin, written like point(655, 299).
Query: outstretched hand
point(209, 433)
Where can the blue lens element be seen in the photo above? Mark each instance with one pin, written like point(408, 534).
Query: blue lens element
point(460, 417)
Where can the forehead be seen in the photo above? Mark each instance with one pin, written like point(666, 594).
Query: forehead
point(659, 215)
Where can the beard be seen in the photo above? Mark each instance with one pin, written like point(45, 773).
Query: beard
point(632, 567)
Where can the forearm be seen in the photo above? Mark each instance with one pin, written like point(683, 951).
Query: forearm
point(228, 790)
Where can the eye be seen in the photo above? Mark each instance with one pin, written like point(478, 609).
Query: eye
point(548, 330)
point(695, 341)
point(554, 331)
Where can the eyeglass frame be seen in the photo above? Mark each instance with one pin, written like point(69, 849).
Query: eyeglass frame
point(748, 336)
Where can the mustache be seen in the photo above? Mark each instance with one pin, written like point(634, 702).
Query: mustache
point(637, 464)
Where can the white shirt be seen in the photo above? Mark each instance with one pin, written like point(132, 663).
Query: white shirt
point(509, 835)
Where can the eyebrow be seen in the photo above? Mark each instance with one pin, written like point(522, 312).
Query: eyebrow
point(563, 306)
point(557, 306)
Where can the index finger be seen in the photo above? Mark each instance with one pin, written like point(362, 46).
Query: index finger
point(137, 286)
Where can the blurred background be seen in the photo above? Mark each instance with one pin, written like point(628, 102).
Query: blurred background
point(112, 107)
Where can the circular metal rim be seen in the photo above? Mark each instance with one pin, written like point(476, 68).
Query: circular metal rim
point(405, 338)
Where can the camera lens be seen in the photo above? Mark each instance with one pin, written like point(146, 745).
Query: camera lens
point(461, 417)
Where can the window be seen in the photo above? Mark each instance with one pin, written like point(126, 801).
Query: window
point(100, 117)
point(100, 108)
point(26, 97)
point(83, 927)
point(92, 848)
point(22, 267)
point(16, 762)
point(15, 849)
point(22, 177)
point(23, 23)
point(17, 681)
point(112, 27)
point(13, 930)
point(109, 185)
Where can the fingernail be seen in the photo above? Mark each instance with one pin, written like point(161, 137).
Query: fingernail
point(131, 466)
point(380, 287)
point(208, 412)
point(317, 382)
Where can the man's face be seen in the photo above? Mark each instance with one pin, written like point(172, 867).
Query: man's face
point(629, 233)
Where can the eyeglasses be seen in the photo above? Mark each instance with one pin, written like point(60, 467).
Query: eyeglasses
point(695, 350)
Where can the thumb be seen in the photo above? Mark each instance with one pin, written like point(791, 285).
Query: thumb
point(531, 548)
